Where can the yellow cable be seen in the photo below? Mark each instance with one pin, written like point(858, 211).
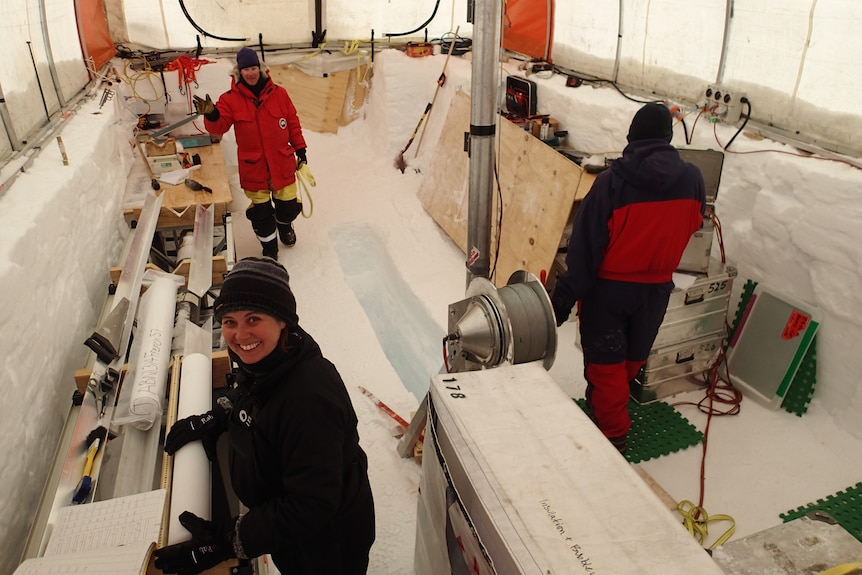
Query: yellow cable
point(845, 569)
point(303, 180)
point(695, 519)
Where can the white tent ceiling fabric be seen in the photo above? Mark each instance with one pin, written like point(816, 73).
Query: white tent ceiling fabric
point(792, 58)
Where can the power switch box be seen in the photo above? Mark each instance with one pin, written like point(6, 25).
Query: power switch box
point(724, 103)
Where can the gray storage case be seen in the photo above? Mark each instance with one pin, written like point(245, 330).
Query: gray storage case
point(689, 337)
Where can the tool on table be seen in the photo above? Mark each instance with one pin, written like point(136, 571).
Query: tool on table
point(100, 387)
point(95, 439)
point(154, 183)
point(197, 186)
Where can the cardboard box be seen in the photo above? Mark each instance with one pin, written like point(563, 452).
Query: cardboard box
point(536, 127)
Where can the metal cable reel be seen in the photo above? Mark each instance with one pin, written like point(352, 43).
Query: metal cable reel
point(492, 327)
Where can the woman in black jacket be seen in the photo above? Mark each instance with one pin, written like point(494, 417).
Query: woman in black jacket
point(295, 459)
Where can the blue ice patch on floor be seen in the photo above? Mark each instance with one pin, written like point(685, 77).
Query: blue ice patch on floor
point(410, 338)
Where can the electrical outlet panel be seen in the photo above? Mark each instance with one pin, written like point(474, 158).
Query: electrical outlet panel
point(723, 103)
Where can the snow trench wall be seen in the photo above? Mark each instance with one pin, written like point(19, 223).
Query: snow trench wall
point(60, 230)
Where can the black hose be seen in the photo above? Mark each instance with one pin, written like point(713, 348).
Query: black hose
point(204, 32)
point(38, 81)
point(425, 23)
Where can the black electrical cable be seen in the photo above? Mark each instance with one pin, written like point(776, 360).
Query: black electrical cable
point(204, 32)
point(38, 81)
point(747, 116)
point(425, 23)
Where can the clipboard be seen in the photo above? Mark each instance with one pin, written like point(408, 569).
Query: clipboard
point(111, 537)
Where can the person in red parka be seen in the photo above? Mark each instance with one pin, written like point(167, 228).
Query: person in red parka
point(270, 147)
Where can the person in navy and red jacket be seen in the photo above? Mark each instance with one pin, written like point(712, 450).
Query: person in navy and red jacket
point(270, 147)
point(628, 237)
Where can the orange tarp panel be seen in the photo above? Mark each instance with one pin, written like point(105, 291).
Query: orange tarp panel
point(528, 27)
point(95, 38)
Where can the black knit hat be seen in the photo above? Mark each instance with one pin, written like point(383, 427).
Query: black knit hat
point(652, 122)
point(246, 58)
point(257, 284)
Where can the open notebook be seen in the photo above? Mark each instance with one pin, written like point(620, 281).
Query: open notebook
point(113, 537)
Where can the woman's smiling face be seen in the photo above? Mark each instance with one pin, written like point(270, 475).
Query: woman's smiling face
point(251, 335)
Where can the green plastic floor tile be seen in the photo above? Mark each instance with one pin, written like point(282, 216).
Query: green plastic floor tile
point(657, 429)
point(801, 389)
point(747, 291)
point(845, 506)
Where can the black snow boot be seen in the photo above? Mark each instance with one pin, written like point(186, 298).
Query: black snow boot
point(619, 443)
point(286, 233)
point(270, 249)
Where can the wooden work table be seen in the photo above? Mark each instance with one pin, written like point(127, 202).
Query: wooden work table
point(179, 201)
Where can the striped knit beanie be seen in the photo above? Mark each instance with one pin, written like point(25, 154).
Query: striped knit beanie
point(257, 284)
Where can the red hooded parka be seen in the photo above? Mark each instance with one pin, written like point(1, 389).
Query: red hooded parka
point(268, 134)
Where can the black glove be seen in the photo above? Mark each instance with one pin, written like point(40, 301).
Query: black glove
point(300, 157)
point(204, 427)
point(560, 313)
point(206, 107)
point(210, 545)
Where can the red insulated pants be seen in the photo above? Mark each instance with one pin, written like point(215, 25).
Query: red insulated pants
point(618, 323)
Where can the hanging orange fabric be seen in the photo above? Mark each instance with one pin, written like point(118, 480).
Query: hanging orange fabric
point(95, 38)
point(528, 27)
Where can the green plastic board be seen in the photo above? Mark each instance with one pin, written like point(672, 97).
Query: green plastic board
point(801, 389)
point(769, 345)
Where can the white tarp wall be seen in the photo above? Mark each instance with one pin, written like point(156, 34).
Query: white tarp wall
point(797, 60)
point(42, 69)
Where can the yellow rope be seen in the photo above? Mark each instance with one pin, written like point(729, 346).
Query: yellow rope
point(303, 180)
point(846, 569)
point(695, 519)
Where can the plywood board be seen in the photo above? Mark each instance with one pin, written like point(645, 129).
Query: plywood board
point(445, 189)
point(538, 187)
point(322, 102)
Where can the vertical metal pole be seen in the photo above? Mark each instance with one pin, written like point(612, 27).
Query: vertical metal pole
point(14, 141)
point(483, 121)
point(49, 54)
point(725, 42)
point(619, 41)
